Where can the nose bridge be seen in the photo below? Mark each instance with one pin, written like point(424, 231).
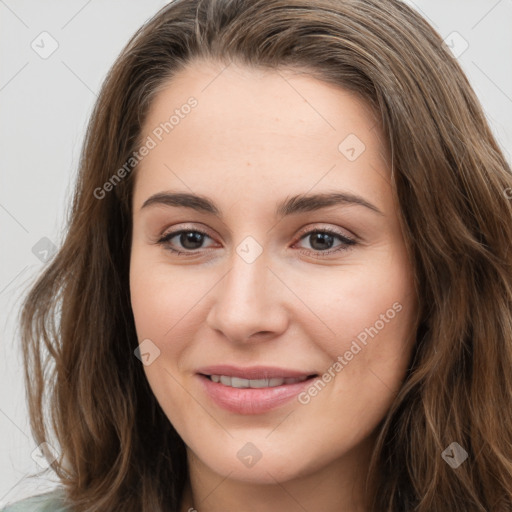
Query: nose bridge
point(246, 302)
point(245, 289)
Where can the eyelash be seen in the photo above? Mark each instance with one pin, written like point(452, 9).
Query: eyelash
point(348, 242)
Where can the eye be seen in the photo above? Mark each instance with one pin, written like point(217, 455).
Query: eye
point(321, 241)
point(190, 240)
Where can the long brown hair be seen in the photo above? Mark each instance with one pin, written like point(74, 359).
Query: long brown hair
point(118, 451)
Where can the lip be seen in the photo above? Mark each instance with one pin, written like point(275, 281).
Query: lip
point(252, 400)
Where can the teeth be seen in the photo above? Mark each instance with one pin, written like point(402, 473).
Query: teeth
point(236, 382)
point(225, 380)
point(239, 383)
point(259, 383)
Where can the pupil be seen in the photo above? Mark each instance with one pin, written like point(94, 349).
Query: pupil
point(322, 238)
point(192, 237)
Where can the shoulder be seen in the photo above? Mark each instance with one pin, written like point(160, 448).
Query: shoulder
point(48, 502)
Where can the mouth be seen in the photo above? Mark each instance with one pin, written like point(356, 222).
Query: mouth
point(252, 390)
point(240, 383)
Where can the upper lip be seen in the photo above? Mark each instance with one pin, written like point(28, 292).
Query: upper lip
point(254, 372)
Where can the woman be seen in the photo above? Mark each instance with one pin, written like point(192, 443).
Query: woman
point(210, 353)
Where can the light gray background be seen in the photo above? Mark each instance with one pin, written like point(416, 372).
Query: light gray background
point(45, 104)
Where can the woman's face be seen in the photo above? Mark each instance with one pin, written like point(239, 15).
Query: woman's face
point(292, 264)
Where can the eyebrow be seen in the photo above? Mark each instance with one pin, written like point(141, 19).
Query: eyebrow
point(290, 206)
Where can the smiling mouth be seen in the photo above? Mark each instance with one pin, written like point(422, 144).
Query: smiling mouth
point(255, 389)
point(240, 383)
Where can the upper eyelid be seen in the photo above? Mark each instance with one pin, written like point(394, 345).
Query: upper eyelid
point(319, 226)
point(338, 231)
point(176, 231)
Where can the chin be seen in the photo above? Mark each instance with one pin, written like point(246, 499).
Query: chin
point(273, 463)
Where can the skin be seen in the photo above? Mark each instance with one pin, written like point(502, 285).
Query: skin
point(255, 138)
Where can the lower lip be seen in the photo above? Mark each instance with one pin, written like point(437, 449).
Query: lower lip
point(251, 400)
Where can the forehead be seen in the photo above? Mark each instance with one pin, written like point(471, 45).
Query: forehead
point(258, 128)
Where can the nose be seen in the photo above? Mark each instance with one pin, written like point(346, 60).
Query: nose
point(248, 302)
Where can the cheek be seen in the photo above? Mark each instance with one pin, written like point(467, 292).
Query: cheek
point(162, 305)
point(368, 308)
point(372, 315)
point(166, 303)
point(156, 298)
point(156, 291)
